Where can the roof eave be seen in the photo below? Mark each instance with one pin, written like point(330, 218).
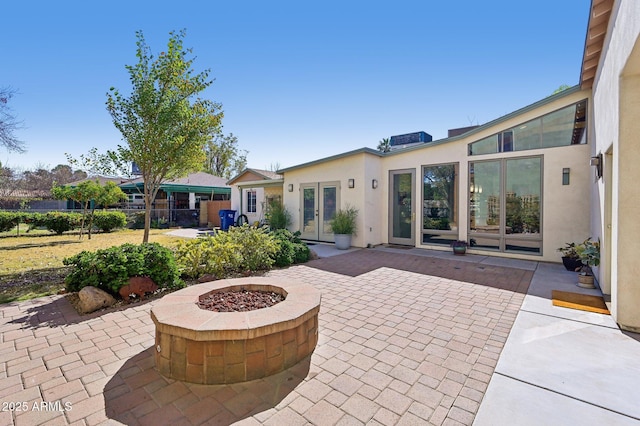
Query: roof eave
point(333, 157)
point(597, 28)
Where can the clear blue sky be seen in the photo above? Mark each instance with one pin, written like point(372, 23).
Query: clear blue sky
point(298, 80)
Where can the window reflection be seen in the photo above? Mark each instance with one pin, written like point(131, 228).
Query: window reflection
point(523, 196)
point(439, 197)
point(328, 208)
point(566, 126)
point(505, 211)
point(309, 210)
point(484, 196)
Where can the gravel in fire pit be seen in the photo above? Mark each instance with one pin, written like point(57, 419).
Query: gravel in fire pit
point(239, 301)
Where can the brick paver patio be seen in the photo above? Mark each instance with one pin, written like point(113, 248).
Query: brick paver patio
point(397, 345)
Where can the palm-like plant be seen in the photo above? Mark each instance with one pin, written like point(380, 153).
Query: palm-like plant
point(384, 145)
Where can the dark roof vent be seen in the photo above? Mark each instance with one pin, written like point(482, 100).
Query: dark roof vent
point(402, 141)
point(460, 131)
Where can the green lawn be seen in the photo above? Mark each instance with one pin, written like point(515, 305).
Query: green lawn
point(31, 266)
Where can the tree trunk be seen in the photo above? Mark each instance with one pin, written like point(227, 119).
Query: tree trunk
point(147, 219)
point(84, 215)
point(93, 209)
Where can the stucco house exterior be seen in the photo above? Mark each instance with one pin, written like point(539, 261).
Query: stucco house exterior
point(252, 192)
point(559, 170)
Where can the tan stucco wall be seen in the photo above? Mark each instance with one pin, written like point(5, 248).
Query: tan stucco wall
point(566, 216)
point(273, 191)
point(565, 208)
point(616, 94)
point(239, 200)
point(362, 167)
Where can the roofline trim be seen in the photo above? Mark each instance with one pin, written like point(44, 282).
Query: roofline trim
point(481, 128)
point(333, 157)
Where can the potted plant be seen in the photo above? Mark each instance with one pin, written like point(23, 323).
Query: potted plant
point(570, 258)
point(343, 225)
point(589, 253)
point(459, 247)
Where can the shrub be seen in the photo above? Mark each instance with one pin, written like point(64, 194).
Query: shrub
point(257, 246)
point(279, 216)
point(160, 265)
point(291, 248)
point(286, 251)
point(60, 222)
point(209, 255)
point(240, 249)
point(8, 220)
point(110, 269)
point(135, 220)
point(107, 221)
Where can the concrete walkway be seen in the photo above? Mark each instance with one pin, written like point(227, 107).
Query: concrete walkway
point(406, 337)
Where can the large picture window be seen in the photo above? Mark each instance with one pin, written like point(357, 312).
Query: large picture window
point(439, 204)
point(505, 205)
point(566, 126)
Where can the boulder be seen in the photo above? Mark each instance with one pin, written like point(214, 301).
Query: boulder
point(206, 278)
point(92, 299)
point(138, 286)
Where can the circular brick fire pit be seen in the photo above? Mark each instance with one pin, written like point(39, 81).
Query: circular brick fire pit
point(201, 346)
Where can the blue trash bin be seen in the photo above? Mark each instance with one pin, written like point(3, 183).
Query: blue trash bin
point(227, 218)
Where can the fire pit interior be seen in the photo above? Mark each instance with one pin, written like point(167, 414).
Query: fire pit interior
point(239, 301)
point(202, 346)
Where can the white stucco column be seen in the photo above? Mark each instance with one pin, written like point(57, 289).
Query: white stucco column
point(192, 201)
point(627, 298)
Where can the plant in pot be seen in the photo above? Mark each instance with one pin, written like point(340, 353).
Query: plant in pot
point(589, 253)
point(343, 225)
point(459, 247)
point(570, 258)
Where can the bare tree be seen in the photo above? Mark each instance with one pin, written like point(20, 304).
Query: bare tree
point(8, 122)
point(274, 167)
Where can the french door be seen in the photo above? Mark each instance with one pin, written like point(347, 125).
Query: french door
point(402, 207)
point(319, 201)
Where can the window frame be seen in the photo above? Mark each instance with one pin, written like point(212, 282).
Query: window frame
point(500, 136)
point(252, 207)
point(502, 237)
point(453, 234)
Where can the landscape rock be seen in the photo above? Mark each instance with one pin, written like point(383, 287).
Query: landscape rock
point(138, 286)
point(206, 278)
point(92, 299)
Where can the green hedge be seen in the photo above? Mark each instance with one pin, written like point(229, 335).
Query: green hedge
point(107, 221)
point(60, 222)
point(110, 269)
point(9, 219)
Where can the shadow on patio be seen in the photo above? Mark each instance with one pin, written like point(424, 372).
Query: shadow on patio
point(362, 261)
point(139, 394)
